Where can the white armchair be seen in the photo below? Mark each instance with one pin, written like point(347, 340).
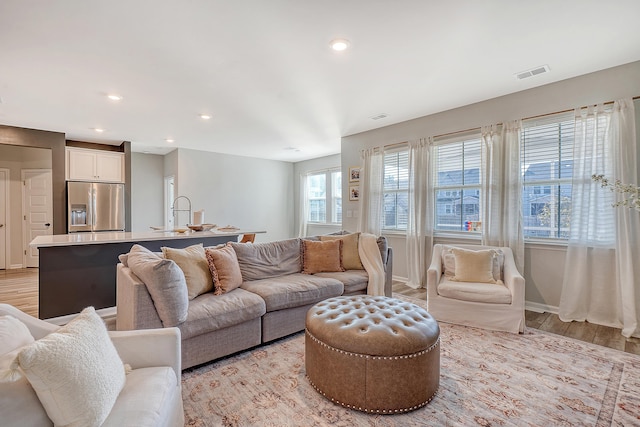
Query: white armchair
point(494, 306)
point(152, 394)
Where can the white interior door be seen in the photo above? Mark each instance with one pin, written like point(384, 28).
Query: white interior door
point(37, 210)
point(5, 250)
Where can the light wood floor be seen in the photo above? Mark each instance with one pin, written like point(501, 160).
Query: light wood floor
point(583, 331)
point(19, 288)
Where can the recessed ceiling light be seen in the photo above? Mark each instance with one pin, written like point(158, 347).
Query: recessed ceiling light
point(205, 116)
point(169, 140)
point(99, 130)
point(114, 97)
point(339, 44)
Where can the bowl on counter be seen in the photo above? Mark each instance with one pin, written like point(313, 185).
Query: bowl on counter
point(201, 227)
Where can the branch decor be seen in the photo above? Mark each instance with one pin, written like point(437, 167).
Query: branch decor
point(630, 192)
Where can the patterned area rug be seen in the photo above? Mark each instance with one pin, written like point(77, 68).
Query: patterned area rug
point(487, 379)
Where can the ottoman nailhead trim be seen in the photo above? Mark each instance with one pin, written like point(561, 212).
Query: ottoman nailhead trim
point(371, 410)
point(367, 356)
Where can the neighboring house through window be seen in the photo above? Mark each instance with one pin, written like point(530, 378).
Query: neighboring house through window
point(456, 180)
point(547, 170)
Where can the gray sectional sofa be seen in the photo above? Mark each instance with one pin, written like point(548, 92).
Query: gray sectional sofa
point(271, 303)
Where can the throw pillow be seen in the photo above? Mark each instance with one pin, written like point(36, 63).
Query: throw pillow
point(166, 284)
point(474, 266)
point(193, 263)
point(224, 267)
point(75, 371)
point(321, 256)
point(13, 334)
point(449, 262)
point(350, 254)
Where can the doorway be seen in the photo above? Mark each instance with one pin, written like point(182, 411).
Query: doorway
point(37, 210)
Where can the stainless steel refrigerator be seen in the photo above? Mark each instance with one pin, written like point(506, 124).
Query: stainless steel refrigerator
point(95, 206)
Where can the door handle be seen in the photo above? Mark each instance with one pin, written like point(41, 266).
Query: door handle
point(47, 224)
point(1, 225)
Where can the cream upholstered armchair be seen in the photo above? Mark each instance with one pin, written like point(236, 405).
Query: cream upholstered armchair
point(151, 395)
point(476, 286)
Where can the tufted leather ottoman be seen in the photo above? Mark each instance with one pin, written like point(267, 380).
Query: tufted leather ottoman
point(373, 354)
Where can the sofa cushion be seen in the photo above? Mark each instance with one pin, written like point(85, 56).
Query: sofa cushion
point(145, 399)
point(224, 267)
point(193, 263)
point(75, 371)
point(477, 292)
point(13, 334)
point(19, 404)
point(319, 256)
point(350, 254)
point(264, 260)
point(449, 262)
point(166, 284)
point(209, 312)
point(353, 280)
point(294, 290)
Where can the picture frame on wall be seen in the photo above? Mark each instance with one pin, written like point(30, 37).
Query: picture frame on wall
point(354, 192)
point(354, 174)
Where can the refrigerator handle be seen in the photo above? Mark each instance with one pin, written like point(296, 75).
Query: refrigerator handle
point(91, 220)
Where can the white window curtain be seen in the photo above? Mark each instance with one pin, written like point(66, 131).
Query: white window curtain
point(502, 189)
point(371, 203)
point(304, 207)
point(420, 210)
point(602, 273)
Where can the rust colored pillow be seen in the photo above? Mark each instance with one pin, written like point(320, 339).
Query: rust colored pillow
point(321, 256)
point(350, 254)
point(224, 267)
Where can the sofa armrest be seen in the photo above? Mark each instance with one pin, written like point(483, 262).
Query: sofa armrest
point(388, 273)
point(135, 309)
point(513, 280)
point(434, 273)
point(149, 348)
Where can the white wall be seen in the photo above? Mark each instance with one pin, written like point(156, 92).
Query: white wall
point(147, 191)
point(303, 168)
point(544, 264)
point(15, 158)
point(250, 193)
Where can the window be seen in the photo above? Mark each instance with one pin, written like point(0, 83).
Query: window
point(547, 169)
point(324, 197)
point(457, 185)
point(396, 189)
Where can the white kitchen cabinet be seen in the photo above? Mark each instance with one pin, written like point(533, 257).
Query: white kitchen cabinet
point(94, 165)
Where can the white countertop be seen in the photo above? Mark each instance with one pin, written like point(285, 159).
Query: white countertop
point(126, 236)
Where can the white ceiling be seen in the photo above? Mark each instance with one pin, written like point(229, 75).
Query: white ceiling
point(264, 71)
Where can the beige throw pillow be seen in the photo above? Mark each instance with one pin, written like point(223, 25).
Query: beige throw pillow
point(350, 254)
point(449, 262)
point(165, 282)
point(224, 267)
point(75, 371)
point(474, 266)
point(322, 256)
point(193, 263)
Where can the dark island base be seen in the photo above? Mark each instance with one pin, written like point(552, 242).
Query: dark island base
point(74, 277)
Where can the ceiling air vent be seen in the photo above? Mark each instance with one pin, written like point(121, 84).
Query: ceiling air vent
point(533, 72)
point(379, 116)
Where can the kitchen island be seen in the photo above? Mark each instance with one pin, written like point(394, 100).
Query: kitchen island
point(79, 269)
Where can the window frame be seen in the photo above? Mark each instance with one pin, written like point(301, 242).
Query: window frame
point(404, 149)
point(555, 185)
point(332, 194)
point(457, 190)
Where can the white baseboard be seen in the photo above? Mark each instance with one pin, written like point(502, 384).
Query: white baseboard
point(15, 266)
point(399, 279)
point(105, 313)
point(540, 308)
